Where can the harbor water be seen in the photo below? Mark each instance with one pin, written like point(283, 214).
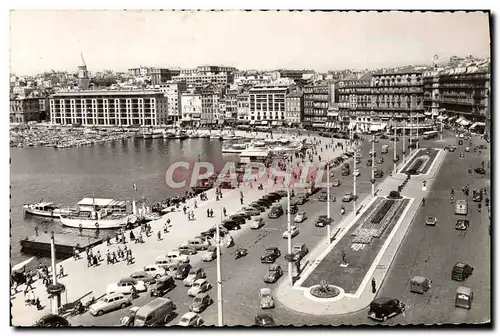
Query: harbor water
point(107, 170)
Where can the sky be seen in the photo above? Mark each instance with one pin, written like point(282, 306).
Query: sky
point(41, 40)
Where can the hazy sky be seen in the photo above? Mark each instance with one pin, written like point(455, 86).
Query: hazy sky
point(118, 40)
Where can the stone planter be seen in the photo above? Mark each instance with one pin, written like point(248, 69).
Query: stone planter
point(317, 291)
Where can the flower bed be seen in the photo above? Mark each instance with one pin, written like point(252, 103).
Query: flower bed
point(367, 214)
point(383, 211)
point(319, 292)
point(423, 166)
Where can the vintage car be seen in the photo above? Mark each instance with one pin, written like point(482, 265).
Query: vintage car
point(322, 221)
point(190, 319)
point(128, 319)
point(356, 172)
point(143, 276)
point(383, 308)
point(185, 249)
point(336, 183)
point(431, 220)
point(461, 224)
point(480, 170)
point(347, 197)
point(322, 196)
point(110, 302)
point(264, 320)
point(274, 272)
point(210, 254)
point(124, 286)
point(194, 274)
point(200, 303)
point(266, 299)
point(378, 173)
point(300, 217)
point(182, 271)
point(270, 255)
point(155, 270)
point(299, 251)
point(199, 286)
point(302, 199)
point(161, 286)
point(420, 284)
point(293, 232)
point(276, 212)
point(463, 298)
point(380, 160)
point(461, 271)
point(257, 223)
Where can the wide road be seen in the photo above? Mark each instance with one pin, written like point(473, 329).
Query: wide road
point(429, 251)
point(243, 278)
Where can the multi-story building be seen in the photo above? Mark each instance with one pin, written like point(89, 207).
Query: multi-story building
point(172, 92)
point(231, 104)
point(208, 69)
point(397, 97)
point(294, 108)
point(431, 92)
point(355, 104)
point(202, 79)
point(318, 98)
point(155, 75)
point(26, 109)
point(243, 108)
point(191, 106)
point(267, 104)
point(119, 107)
point(211, 96)
point(296, 75)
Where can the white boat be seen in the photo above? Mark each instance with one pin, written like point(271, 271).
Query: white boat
point(157, 134)
point(168, 135)
point(93, 213)
point(216, 136)
point(234, 148)
point(45, 209)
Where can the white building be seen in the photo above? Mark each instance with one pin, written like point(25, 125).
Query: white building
point(267, 104)
point(172, 92)
point(191, 106)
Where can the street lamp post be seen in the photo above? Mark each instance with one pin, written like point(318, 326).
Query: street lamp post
point(395, 149)
point(441, 117)
point(354, 175)
point(55, 298)
point(404, 136)
point(220, 320)
point(417, 131)
point(328, 228)
point(290, 266)
point(373, 165)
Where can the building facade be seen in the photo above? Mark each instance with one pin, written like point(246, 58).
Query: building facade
point(211, 98)
point(354, 104)
point(116, 108)
point(267, 104)
point(318, 98)
point(26, 109)
point(294, 108)
point(172, 92)
point(231, 104)
point(243, 108)
point(191, 106)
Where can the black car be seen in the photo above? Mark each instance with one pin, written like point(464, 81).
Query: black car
point(383, 136)
point(160, 286)
point(461, 271)
point(259, 207)
point(238, 219)
point(231, 225)
point(293, 209)
point(182, 271)
point(383, 308)
point(322, 196)
point(412, 145)
point(270, 255)
point(275, 195)
point(480, 170)
point(52, 320)
point(212, 231)
point(378, 174)
point(264, 320)
point(269, 198)
point(276, 212)
point(322, 221)
point(266, 204)
point(244, 214)
point(282, 193)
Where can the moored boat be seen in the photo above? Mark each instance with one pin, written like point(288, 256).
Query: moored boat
point(97, 213)
point(45, 209)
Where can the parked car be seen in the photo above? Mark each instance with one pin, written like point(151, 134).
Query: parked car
point(336, 183)
point(190, 319)
point(251, 211)
point(383, 308)
point(240, 220)
point(52, 320)
point(461, 271)
point(322, 221)
point(276, 211)
point(347, 197)
point(266, 299)
point(194, 274)
point(480, 170)
point(182, 271)
point(231, 224)
point(143, 276)
point(110, 302)
point(322, 196)
point(270, 255)
point(200, 303)
point(462, 155)
point(129, 318)
point(282, 193)
point(258, 207)
point(300, 217)
point(155, 270)
point(431, 220)
point(293, 232)
point(243, 214)
point(299, 251)
point(186, 250)
point(124, 286)
point(274, 272)
point(264, 320)
point(199, 286)
point(357, 172)
point(378, 173)
point(210, 254)
point(467, 149)
point(302, 199)
point(452, 148)
point(257, 223)
point(461, 224)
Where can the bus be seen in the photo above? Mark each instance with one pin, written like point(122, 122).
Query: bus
point(461, 207)
point(430, 134)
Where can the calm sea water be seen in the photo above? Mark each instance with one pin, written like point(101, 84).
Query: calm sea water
point(109, 170)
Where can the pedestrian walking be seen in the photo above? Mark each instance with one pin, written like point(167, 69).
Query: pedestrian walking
point(99, 255)
point(61, 272)
point(195, 204)
point(108, 258)
point(108, 241)
point(374, 286)
point(184, 209)
point(132, 236)
point(224, 211)
point(241, 200)
point(165, 228)
point(75, 254)
point(159, 235)
point(208, 212)
point(89, 260)
point(113, 255)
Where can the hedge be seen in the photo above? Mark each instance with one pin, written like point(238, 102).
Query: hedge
point(382, 211)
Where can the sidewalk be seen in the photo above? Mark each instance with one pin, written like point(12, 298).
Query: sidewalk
point(80, 279)
point(299, 299)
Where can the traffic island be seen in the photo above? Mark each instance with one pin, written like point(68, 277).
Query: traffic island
point(421, 162)
point(324, 291)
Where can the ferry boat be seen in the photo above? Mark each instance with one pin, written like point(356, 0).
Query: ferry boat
point(234, 148)
point(45, 209)
point(93, 213)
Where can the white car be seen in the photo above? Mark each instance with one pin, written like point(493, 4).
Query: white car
point(190, 320)
point(294, 231)
point(257, 223)
point(124, 286)
point(300, 217)
point(199, 286)
point(110, 302)
point(194, 274)
point(155, 270)
point(210, 254)
point(357, 173)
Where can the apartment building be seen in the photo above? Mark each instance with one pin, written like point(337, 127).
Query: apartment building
point(355, 104)
point(318, 99)
point(191, 106)
point(109, 107)
point(243, 107)
point(267, 105)
point(211, 97)
point(172, 92)
point(294, 108)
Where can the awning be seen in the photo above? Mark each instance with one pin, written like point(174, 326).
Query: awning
point(252, 122)
point(459, 120)
point(428, 113)
point(264, 122)
point(374, 128)
point(257, 122)
point(441, 118)
point(351, 125)
point(383, 126)
point(435, 113)
point(479, 123)
point(274, 123)
point(465, 122)
point(279, 123)
point(318, 124)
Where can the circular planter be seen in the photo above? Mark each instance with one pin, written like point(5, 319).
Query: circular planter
point(317, 291)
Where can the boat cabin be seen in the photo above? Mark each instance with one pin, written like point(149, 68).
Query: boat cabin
point(90, 204)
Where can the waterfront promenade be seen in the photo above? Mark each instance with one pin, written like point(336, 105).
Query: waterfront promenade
point(80, 279)
point(298, 298)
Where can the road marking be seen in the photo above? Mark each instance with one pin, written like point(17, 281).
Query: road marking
point(357, 247)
